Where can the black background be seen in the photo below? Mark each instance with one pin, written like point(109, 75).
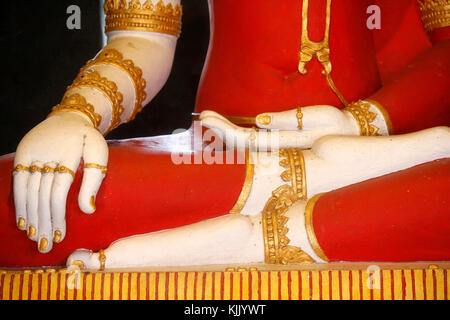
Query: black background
point(40, 57)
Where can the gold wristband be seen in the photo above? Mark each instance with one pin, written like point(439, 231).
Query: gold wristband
point(104, 169)
point(360, 111)
point(143, 17)
point(246, 188)
point(77, 103)
point(115, 58)
point(91, 78)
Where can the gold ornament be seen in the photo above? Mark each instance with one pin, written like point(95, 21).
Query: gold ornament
point(102, 258)
point(21, 223)
point(77, 103)
point(361, 113)
point(63, 169)
point(387, 118)
point(310, 227)
point(435, 14)
point(264, 119)
point(96, 166)
point(300, 118)
point(276, 248)
point(245, 192)
point(295, 164)
point(143, 17)
point(91, 78)
point(20, 167)
point(115, 58)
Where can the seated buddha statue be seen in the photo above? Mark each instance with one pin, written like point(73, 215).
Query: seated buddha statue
point(337, 133)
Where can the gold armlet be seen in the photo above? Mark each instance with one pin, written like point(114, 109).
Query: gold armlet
point(435, 14)
point(292, 160)
point(115, 58)
point(361, 113)
point(310, 227)
point(146, 17)
point(245, 192)
point(276, 248)
point(96, 166)
point(77, 103)
point(91, 78)
point(387, 118)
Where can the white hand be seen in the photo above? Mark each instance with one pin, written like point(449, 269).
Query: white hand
point(317, 121)
point(40, 194)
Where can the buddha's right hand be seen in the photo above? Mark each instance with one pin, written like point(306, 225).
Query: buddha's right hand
point(45, 164)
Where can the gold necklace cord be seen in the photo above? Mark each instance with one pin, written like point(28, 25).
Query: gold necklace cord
point(115, 58)
point(247, 186)
point(77, 103)
point(146, 17)
point(92, 79)
point(310, 227)
point(104, 169)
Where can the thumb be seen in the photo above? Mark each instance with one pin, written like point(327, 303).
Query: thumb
point(95, 156)
point(284, 120)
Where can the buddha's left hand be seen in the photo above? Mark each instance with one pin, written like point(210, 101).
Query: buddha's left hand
point(291, 128)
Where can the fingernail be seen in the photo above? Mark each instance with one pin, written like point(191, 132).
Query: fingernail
point(31, 231)
point(57, 236)
point(43, 244)
point(93, 203)
point(21, 223)
point(263, 119)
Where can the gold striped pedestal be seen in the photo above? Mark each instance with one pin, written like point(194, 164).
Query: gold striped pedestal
point(323, 282)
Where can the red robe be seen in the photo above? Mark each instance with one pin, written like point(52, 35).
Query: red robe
point(252, 68)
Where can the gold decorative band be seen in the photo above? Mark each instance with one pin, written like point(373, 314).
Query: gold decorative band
point(91, 78)
point(245, 192)
point(20, 167)
point(63, 169)
point(115, 58)
point(295, 164)
point(146, 17)
point(387, 118)
point(300, 118)
point(77, 103)
point(35, 168)
point(276, 248)
point(104, 169)
point(361, 113)
point(435, 14)
point(310, 227)
point(102, 258)
point(48, 169)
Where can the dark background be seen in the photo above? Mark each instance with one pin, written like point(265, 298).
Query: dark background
point(40, 57)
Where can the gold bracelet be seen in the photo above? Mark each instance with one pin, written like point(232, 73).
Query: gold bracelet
point(102, 258)
point(360, 111)
point(96, 166)
point(20, 167)
point(115, 58)
point(300, 118)
point(91, 78)
point(77, 103)
point(143, 17)
point(63, 169)
point(434, 14)
point(35, 168)
point(48, 169)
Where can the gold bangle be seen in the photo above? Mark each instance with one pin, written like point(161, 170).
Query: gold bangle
point(102, 258)
point(92, 79)
point(360, 111)
point(104, 169)
point(300, 118)
point(20, 167)
point(246, 188)
point(115, 58)
point(63, 169)
point(78, 103)
point(434, 14)
point(143, 17)
point(310, 227)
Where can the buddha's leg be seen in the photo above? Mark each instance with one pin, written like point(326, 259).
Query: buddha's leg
point(144, 191)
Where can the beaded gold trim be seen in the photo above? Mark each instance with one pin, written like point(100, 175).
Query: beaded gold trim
point(146, 17)
point(96, 166)
point(361, 113)
point(276, 248)
point(77, 103)
point(435, 14)
point(91, 78)
point(115, 58)
point(295, 164)
point(21, 167)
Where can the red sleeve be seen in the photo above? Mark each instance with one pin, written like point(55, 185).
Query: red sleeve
point(400, 217)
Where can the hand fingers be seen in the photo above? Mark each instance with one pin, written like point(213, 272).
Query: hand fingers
point(95, 156)
point(45, 231)
point(63, 178)
point(32, 200)
point(285, 120)
point(21, 175)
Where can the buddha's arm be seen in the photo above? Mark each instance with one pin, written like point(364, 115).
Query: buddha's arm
point(109, 90)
